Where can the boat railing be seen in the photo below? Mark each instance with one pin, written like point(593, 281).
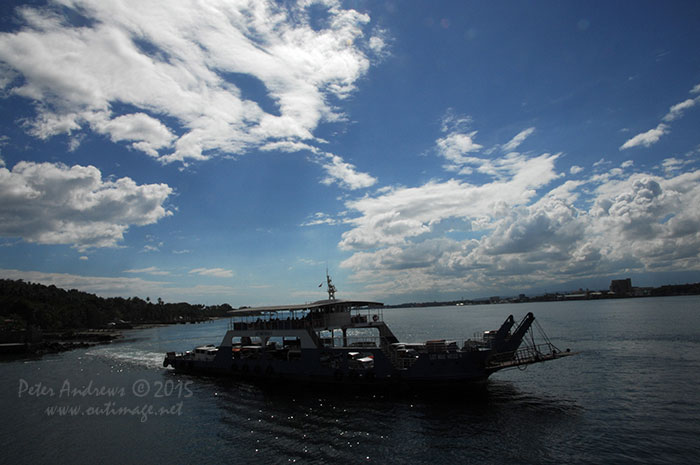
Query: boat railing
point(526, 355)
point(300, 320)
point(366, 315)
point(289, 323)
point(352, 341)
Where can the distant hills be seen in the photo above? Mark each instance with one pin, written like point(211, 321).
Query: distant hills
point(51, 308)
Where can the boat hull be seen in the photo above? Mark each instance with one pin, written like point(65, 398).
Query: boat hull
point(337, 367)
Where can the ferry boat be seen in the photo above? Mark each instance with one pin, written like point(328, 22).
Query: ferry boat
point(347, 342)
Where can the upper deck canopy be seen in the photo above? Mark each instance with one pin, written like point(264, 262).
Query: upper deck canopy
point(335, 304)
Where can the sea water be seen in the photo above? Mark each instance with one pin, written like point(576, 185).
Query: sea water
point(630, 395)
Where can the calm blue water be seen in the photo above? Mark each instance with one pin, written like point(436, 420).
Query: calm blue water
point(630, 396)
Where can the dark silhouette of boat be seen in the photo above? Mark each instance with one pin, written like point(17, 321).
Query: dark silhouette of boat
point(347, 342)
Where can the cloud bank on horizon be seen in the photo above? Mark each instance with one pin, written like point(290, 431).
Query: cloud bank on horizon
point(518, 229)
point(486, 202)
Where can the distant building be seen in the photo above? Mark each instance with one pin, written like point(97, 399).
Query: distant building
point(621, 286)
point(642, 291)
point(577, 296)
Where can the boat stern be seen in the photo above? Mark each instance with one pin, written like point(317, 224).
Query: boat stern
point(169, 360)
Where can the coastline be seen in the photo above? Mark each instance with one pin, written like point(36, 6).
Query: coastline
point(633, 293)
point(57, 341)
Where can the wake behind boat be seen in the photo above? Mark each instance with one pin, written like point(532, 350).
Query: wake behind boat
point(347, 342)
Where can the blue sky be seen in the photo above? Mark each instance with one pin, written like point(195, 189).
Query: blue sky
point(230, 151)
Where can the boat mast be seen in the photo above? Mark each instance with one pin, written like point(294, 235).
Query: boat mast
point(331, 287)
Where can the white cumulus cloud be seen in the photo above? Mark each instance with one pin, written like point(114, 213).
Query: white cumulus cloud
point(652, 136)
point(639, 223)
point(518, 139)
point(676, 111)
point(152, 270)
point(521, 229)
point(149, 133)
point(345, 173)
point(51, 203)
point(215, 272)
point(647, 138)
point(396, 215)
point(174, 81)
point(455, 145)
